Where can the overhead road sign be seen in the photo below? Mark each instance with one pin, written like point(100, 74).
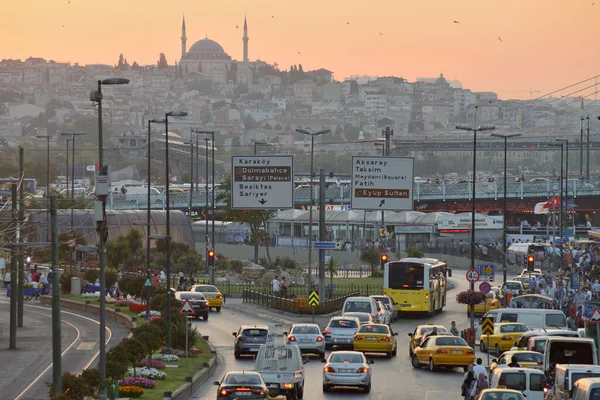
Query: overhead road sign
point(382, 183)
point(472, 275)
point(313, 299)
point(324, 245)
point(186, 308)
point(262, 182)
point(487, 326)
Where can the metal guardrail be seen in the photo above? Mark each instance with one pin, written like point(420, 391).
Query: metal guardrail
point(422, 191)
point(295, 305)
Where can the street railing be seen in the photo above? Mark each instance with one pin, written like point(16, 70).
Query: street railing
point(293, 304)
point(332, 290)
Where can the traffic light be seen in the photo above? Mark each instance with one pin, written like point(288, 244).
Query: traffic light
point(530, 263)
point(384, 259)
point(211, 258)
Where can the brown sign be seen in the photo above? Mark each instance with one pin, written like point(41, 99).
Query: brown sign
point(262, 174)
point(383, 193)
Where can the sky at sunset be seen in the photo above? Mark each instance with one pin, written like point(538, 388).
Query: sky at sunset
point(546, 44)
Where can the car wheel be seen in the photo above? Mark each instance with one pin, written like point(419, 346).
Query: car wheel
point(414, 361)
point(328, 346)
point(367, 388)
point(431, 365)
point(205, 317)
point(410, 351)
point(498, 352)
point(388, 355)
point(482, 347)
point(293, 394)
point(218, 309)
point(395, 351)
point(326, 388)
point(300, 391)
point(236, 354)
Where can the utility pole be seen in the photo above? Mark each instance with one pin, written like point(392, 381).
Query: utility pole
point(56, 334)
point(388, 132)
point(207, 268)
point(587, 158)
point(21, 275)
point(13, 274)
point(322, 232)
point(581, 148)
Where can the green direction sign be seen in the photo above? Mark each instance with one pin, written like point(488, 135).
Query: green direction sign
point(313, 299)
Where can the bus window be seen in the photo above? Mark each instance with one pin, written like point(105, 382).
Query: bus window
point(406, 276)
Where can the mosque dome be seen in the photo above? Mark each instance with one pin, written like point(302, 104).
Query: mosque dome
point(206, 46)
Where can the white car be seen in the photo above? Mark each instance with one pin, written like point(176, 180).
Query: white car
point(340, 331)
point(347, 369)
point(384, 315)
point(308, 337)
point(390, 304)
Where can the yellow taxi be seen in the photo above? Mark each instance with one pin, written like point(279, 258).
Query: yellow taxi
point(504, 337)
point(500, 394)
point(211, 293)
point(491, 303)
point(417, 336)
point(525, 359)
point(498, 291)
point(376, 338)
point(443, 351)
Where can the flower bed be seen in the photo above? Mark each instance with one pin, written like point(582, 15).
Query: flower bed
point(165, 357)
point(150, 373)
point(192, 352)
point(137, 381)
point(133, 392)
point(136, 307)
point(158, 364)
point(122, 303)
point(153, 313)
point(92, 295)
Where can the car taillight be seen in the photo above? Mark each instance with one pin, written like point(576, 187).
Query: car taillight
point(288, 385)
point(291, 339)
point(506, 338)
point(470, 351)
point(442, 351)
point(327, 331)
point(241, 339)
point(260, 392)
point(362, 370)
point(219, 296)
point(329, 369)
point(319, 339)
point(357, 338)
point(385, 339)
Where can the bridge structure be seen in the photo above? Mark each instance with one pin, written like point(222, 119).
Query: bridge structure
point(422, 192)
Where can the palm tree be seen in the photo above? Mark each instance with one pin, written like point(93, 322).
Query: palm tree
point(331, 269)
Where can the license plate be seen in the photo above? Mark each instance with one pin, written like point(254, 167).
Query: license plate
point(243, 393)
point(305, 341)
point(372, 338)
point(405, 305)
point(253, 349)
point(345, 370)
point(274, 385)
point(210, 296)
point(342, 341)
point(456, 351)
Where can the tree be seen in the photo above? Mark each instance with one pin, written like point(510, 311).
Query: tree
point(414, 252)
point(150, 336)
point(250, 122)
point(162, 61)
point(351, 132)
point(121, 63)
point(331, 269)
point(371, 257)
point(134, 350)
point(267, 126)
point(255, 219)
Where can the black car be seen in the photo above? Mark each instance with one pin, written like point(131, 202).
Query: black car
point(248, 339)
point(198, 302)
point(242, 385)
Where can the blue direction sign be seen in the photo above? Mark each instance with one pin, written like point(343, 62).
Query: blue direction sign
point(324, 245)
point(487, 272)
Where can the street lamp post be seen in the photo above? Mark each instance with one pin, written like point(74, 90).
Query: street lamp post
point(561, 145)
point(310, 210)
point(191, 143)
point(102, 229)
point(475, 129)
point(47, 137)
point(207, 265)
point(504, 212)
point(565, 209)
point(72, 134)
point(168, 221)
point(212, 201)
point(587, 144)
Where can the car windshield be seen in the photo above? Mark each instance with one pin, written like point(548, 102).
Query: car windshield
point(338, 357)
point(513, 286)
point(208, 289)
point(373, 329)
point(428, 329)
point(305, 330)
point(255, 332)
point(537, 358)
point(358, 306)
point(513, 328)
point(343, 323)
point(362, 317)
point(190, 296)
point(502, 396)
point(384, 300)
point(450, 341)
point(243, 379)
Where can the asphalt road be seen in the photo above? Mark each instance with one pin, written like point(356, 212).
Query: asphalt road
point(392, 378)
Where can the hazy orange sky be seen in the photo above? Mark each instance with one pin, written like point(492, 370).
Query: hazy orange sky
point(546, 44)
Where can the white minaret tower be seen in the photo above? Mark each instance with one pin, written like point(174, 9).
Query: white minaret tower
point(183, 39)
point(245, 40)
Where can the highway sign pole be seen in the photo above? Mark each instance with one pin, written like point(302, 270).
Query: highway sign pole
point(322, 230)
point(56, 329)
point(187, 329)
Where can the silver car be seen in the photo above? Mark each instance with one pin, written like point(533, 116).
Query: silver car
point(340, 331)
point(248, 339)
point(347, 368)
point(308, 338)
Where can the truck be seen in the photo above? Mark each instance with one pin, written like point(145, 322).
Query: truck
point(281, 366)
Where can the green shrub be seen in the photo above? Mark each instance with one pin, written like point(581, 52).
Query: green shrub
point(414, 252)
point(124, 285)
point(158, 301)
point(178, 333)
point(65, 281)
point(90, 275)
point(111, 278)
point(237, 266)
point(150, 336)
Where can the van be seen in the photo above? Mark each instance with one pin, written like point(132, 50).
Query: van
point(565, 377)
point(140, 195)
point(531, 382)
point(538, 343)
point(533, 318)
point(587, 389)
point(362, 304)
point(563, 350)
